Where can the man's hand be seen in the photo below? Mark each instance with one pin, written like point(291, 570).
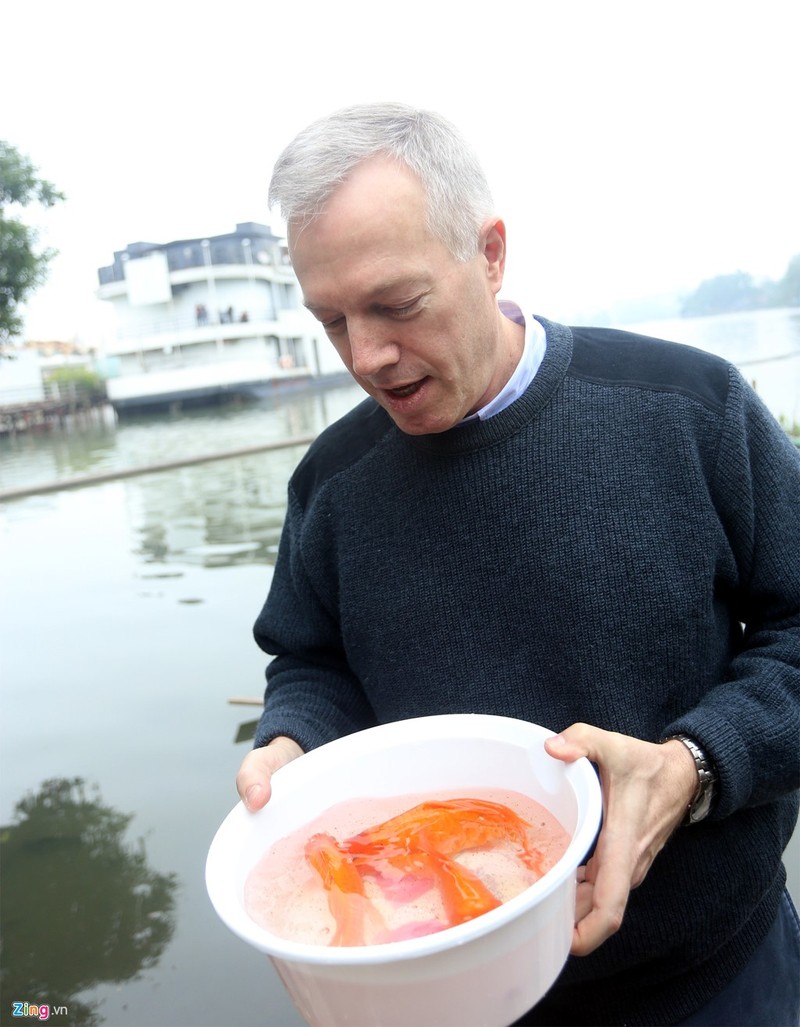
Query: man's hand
point(258, 766)
point(646, 789)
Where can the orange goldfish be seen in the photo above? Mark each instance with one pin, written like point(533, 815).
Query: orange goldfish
point(417, 847)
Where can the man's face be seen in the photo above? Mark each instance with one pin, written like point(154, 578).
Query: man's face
point(419, 331)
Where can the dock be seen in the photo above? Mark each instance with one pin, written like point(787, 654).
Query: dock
point(44, 414)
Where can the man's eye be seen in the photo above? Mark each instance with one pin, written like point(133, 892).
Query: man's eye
point(404, 311)
point(333, 325)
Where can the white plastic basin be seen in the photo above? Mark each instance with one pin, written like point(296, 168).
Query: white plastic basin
point(486, 972)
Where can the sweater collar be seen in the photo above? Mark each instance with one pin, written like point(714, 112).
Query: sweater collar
point(478, 434)
point(529, 363)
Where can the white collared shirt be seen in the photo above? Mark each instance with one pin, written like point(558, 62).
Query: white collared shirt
point(524, 372)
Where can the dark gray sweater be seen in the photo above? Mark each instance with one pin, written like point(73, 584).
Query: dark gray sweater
point(621, 546)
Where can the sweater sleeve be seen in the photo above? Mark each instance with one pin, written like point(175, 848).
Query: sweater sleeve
point(750, 723)
point(312, 695)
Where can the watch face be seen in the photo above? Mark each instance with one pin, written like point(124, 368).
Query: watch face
point(702, 804)
point(701, 807)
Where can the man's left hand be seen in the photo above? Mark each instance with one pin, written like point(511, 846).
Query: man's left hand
point(646, 789)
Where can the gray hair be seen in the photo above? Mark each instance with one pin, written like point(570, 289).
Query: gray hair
point(322, 156)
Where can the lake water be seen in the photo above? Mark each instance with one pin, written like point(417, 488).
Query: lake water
point(124, 631)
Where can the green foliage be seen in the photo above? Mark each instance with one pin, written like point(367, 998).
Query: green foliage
point(77, 382)
point(22, 268)
point(722, 294)
point(81, 905)
point(727, 294)
point(792, 428)
point(787, 290)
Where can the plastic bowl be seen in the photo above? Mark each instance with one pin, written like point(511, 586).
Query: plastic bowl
point(486, 972)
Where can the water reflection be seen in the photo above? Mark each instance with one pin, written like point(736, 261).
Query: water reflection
point(246, 731)
point(160, 437)
point(80, 905)
point(59, 452)
point(230, 516)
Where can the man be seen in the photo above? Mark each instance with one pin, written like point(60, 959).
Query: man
point(579, 527)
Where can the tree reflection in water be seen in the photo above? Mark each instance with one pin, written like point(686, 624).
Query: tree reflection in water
point(80, 906)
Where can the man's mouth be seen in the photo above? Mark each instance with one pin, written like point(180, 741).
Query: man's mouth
point(402, 391)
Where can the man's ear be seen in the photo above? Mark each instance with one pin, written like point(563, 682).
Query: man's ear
point(493, 243)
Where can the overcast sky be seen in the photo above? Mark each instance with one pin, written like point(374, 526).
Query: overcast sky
point(633, 147)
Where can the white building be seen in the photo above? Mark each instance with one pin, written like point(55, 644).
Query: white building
point(20, 378)
point(202, 318)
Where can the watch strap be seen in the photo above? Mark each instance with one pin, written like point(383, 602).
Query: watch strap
point(700, 806)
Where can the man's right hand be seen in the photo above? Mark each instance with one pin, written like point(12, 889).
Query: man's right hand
point(253, 782)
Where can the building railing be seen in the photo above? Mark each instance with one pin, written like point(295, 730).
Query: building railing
point(195, 253)
point(202, 325)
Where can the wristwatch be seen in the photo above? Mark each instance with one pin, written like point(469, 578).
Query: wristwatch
point(707, 780)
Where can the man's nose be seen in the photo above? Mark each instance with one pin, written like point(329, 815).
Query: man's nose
point(372, 347)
